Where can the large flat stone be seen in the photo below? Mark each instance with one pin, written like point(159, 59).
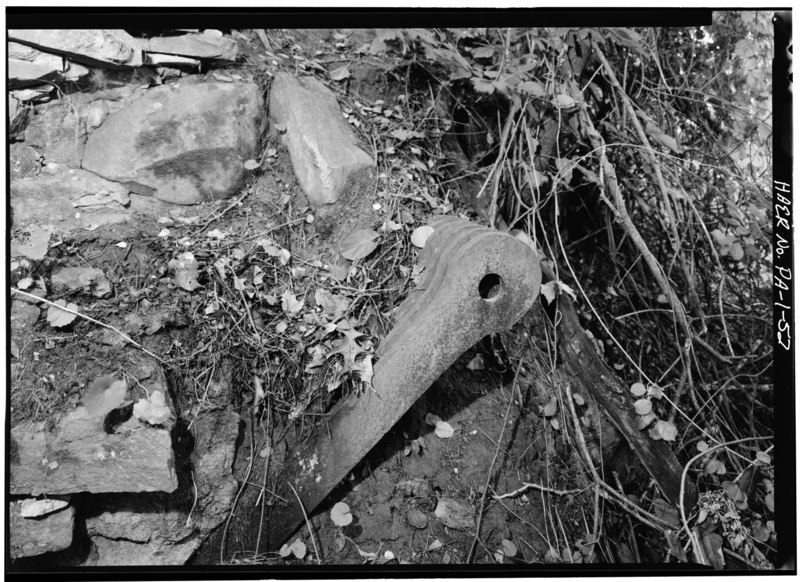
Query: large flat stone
point(68, 198)
point(185, 142)
point(27, 65)
point(94, 46)
point(201, 46)
point(80, 455)
point(325, 156)
point(34, 536)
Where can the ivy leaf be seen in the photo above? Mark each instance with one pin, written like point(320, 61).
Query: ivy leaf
point(642, 422)
point(298, 549)
point(340, 514)
point(549, 291)
point(638, 389)
point(359, 244)
point(643, 407)
point(509, 549)
point(58, 317)
point(737, 252)
point(663, 430)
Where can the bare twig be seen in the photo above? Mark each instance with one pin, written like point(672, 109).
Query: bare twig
point(87, 318)
point(471, 555)
point(538, 486)
point(308, 523)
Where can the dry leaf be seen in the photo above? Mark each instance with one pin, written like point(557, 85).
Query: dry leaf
point(551, 407)
point(444, 430)
point(420, 236)
point(509, 549)
point(290, 304)
point(186, 271)
point(152, 410)
point(663, 430)
point(104, 395)
point(340, 74)
point(58, 317)
point(359, 244)
point(340, 514)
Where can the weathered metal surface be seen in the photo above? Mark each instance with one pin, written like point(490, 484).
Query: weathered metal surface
point(476, 282)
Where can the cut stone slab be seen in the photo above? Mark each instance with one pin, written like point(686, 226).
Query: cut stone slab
point(79, 455)
point(28, 66)
point(93, 46)
point(199, 46)
point(34, 536)
point(66, 198)
point(325, 156)
point(184, 142)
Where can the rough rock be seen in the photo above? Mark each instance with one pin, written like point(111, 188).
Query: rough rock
point(34, 536)
point(200, 46)
point(455, 514)
point(135, 530)
point(325, 156)
point(88, 279)
point(24, 161)
point(58, 196)
point(28, 66)
point(215, 436)
point(165, 530)
point(23, 315)
point(185, 142)
point(79, 455)
point(93, 46)
point(59, 129)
